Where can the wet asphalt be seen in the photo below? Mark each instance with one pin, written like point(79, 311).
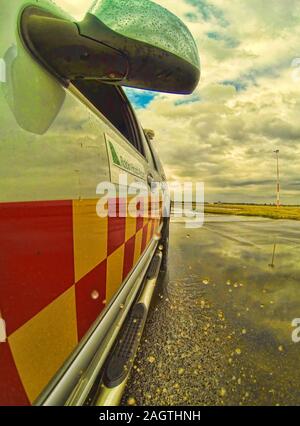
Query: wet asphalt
point(219, 331)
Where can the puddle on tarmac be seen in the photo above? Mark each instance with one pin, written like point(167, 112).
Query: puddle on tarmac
point(221, 333)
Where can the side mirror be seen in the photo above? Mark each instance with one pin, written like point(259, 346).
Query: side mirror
point(134, 43)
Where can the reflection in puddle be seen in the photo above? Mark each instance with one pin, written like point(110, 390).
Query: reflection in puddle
point(272, 264)
point(227, 320)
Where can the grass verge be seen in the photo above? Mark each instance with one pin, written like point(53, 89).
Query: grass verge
point(272, 212)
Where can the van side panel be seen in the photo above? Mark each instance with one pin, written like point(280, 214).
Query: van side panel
point(46, 309)
point(60, 264)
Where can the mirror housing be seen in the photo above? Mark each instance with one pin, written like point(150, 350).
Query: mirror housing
point(134, 43)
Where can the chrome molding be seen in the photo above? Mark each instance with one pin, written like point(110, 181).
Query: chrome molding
point(73, 382)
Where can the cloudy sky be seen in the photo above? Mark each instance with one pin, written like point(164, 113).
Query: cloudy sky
point(246, 106)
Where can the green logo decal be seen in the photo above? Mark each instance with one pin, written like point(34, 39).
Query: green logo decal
point(114, 155)
point(124, 161)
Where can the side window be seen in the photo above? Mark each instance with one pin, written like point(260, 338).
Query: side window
point(111, 102)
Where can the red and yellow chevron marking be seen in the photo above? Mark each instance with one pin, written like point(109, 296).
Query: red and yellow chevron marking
point(60, 265)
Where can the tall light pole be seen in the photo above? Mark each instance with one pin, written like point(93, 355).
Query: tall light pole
point(278, 178)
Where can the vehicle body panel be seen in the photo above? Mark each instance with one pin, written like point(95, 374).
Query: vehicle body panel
point(61, 265)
